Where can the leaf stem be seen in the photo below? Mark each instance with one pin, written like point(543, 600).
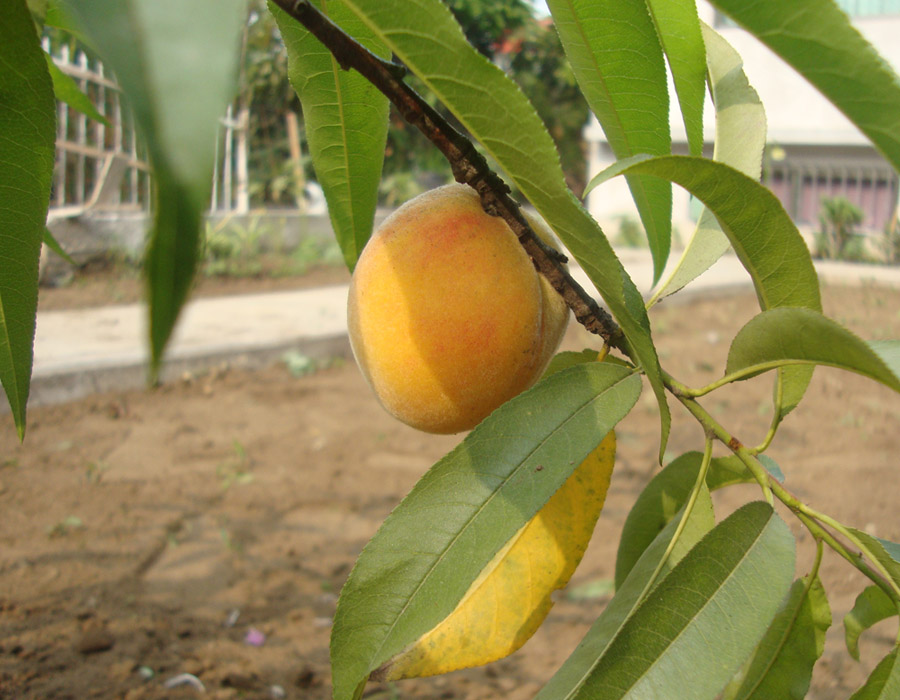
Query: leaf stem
point(468, 165)
point(759, 472)
point(745, 373)
point(777, 416)
point(686, 513)
point(854, 540)
point(812, 519)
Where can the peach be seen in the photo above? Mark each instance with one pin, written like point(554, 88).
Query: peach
point(448, 318)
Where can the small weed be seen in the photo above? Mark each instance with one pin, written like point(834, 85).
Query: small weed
point(235, 470)
point(94, 472)
point(65, 526)
point(9, 463)
point(313, 251)
point(231, 544)
point(300, 365)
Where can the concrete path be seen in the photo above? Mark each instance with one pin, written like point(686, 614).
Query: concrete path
point(85, 351)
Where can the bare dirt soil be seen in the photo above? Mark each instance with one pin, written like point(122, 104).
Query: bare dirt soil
point(206, 527)
point(103, 282)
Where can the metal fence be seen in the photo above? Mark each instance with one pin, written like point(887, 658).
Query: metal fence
point(802, 184)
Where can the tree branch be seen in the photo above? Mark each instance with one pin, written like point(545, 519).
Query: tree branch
point(468, 165)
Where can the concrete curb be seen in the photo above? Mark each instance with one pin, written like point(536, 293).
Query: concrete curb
point(87, 351)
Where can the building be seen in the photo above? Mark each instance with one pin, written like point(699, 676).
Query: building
point(814, 151)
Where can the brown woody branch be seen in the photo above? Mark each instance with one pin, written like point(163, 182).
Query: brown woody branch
point(468, 165)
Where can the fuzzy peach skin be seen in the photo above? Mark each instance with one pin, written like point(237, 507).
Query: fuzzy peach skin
point(448, 318)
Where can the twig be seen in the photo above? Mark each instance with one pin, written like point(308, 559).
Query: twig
point(468, 165)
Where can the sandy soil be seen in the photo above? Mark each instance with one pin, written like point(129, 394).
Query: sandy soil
point(101, 283)
point(150, 534)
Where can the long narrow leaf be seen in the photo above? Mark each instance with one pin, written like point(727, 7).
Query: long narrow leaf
point(67, 90)
point(678, 637)
point(871, 606)
point(27, 139)
point(618, 62)
point(763, 236)
point(739, 142)
point(54, 245)
point(884, 681)
point(511, 597)
point(782, 665)
point(566, 683)
point(803, 336)
point(346, 121)
point(177, 65)
point(662, 498)
point(885, 552)
point(679, 31)
point(817, 39)
point(499, 116)
point(429, 551)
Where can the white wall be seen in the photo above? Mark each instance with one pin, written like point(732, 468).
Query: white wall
point(796, 113)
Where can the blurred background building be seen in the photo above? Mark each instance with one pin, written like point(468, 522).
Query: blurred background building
point(814, 154)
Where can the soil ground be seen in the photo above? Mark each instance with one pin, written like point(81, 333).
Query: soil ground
point(150, 534)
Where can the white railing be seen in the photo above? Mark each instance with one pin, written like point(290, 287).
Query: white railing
point(103, 167)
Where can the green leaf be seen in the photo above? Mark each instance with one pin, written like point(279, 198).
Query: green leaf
point(494, 110)
point(177, 66)
point(871, 606)
point(27, 143)
point(803, 336)
point(884, 682)
point(885, 552)
point(566, 682)
point(765, 239)
point(782, 665)
point(679, 31)
point(618, 62)
point(889, 352)
point(346, 122)
point(739, 142)
point(678, 637)
point(664, 496)
point(54, 245)
point(817, 39)
point(511, 597)
point(428, 552)
point(67, 90)
point(568, 358)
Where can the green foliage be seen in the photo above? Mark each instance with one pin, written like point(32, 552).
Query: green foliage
point(713, 611)
point(598, 42)
point(836, 237)
point(871, 606)
point(425, 555)
point(854, 77)
point(28, 128)
point(739, 142)
point(884, 683)
point(673, 635)
point(153, 51)
point(346, 126)
point(782, 665)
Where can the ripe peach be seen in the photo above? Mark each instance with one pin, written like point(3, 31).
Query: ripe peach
point(448, 318)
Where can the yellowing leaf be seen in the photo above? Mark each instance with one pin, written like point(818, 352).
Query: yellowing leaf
point(509, 600)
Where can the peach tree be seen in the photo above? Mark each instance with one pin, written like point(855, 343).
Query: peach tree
point(462, 570)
